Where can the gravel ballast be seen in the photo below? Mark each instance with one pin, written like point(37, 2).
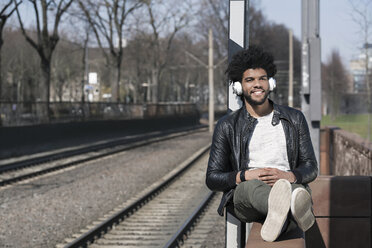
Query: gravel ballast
point(45, 211)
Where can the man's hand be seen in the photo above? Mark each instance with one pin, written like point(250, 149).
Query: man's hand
point(271, 175)
point(250, 175)
point(253, 174)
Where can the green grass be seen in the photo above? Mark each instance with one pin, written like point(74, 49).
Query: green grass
point(353, 123)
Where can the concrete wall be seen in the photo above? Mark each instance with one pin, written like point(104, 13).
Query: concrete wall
point(31, 113)
point(24, 140)
point(344, 153)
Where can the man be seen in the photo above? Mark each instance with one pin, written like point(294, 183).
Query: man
point(262, 156)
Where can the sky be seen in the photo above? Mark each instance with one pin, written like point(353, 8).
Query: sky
point(337, 29)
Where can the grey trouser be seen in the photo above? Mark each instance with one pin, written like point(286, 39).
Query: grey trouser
point(251, 200)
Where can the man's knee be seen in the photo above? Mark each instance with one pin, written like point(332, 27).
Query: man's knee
point(245, 189)
point(244, 200)
point(249, 185)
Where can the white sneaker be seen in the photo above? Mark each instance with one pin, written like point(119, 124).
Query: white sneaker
point(301, 209)
point(279, 203)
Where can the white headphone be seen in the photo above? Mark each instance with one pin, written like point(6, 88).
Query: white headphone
point(238, 90)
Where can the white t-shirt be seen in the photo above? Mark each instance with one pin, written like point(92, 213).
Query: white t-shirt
point(267, 147)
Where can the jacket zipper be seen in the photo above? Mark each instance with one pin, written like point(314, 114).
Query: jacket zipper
point(294, 139)
point(241, 141)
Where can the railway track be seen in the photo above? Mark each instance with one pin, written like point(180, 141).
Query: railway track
point(204, 233)
point(160, 216)
point(17, 170)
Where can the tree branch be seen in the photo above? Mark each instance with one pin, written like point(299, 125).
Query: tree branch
point(37, 20)
point(94, 27)
point(4, 8)
point(31, 41)
point(60, 11)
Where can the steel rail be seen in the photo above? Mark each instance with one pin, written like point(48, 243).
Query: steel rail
point(60, 155)
point(99, 230)
point(178, 237)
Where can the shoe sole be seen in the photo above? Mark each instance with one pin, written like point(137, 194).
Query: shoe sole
point(301, 209)
point(279, 203)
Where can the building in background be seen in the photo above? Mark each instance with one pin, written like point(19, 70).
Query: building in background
point(358, 71)
point(92, 89)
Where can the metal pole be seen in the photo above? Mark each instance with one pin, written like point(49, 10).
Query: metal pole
point(236, 231)
point(210, 81)
point(246, 24)
point(238, 39)
point(311, 79)
point(290, 76)
point(86, 77)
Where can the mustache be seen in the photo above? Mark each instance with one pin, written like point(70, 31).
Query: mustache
point(257, 88)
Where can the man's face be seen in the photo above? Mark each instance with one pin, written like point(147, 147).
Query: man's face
point(255, 84)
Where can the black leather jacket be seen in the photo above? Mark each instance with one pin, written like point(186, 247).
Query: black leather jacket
point(230, 145)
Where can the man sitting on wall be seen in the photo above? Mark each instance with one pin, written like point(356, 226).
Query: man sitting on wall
point(262, 157)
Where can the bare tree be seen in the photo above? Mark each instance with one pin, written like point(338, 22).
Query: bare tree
point(45, 42)
point(215, 14)
point(335, 81)
point(362, 16)
point(21, 64)
point(81, 37)
point(6, 11)
point(163, 20)
point(107, 19)
point(66, 69)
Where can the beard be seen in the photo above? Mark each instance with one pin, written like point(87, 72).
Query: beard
point(253, 102)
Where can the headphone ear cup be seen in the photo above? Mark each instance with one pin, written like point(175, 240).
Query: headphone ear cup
point(272, 84)
point(237, 88)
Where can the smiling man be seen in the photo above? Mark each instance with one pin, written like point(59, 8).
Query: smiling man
point(262, 156)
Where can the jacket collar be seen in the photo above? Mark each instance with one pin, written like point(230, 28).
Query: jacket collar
point(276, 116)
point(277, 113)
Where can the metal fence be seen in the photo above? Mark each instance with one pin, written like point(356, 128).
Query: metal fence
point(32, 113)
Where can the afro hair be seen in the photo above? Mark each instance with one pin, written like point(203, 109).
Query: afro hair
point(252, 58)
